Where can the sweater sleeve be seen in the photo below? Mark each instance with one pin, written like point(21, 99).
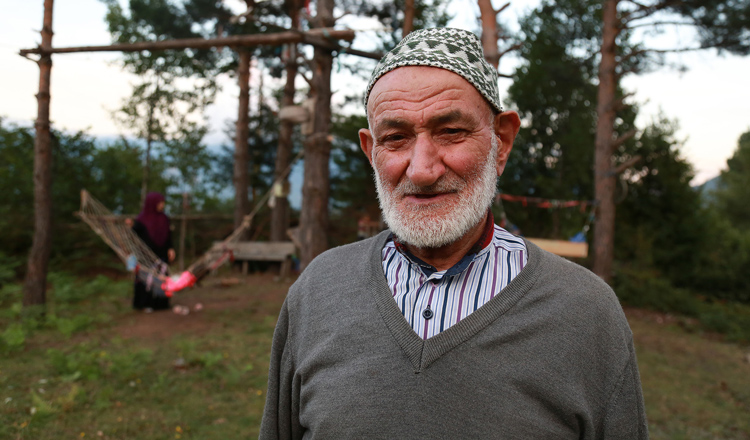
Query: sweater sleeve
point(281, 413)
point(625, 415)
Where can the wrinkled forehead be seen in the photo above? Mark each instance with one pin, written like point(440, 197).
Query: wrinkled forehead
point(404, 90)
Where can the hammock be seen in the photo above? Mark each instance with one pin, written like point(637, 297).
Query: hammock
point(138, 257)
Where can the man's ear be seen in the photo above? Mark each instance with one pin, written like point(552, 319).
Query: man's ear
point(365, 142)
point(506, 128)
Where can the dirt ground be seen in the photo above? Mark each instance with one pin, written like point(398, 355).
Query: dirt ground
point(215, 294)
point(237, 292)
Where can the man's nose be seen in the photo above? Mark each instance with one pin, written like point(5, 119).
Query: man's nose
point(426, 164)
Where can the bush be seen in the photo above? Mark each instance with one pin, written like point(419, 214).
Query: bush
point(646, 289)
point(13, 338)
point(8, 266)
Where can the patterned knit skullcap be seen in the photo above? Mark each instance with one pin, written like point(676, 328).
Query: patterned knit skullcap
point(456, 50)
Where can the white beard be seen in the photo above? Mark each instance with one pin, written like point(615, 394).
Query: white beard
point(441, 223)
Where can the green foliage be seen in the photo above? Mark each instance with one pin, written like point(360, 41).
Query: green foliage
point(121, 386)
point(8, 266)
point(721, 24)
point(391, 13)
point(80, 362)
point(153, 20)
point(166, 107)
point(13, 338)
point(733, 192)
point(62, 314)
point(353, 192)
point(724, 259)
point(85, 362)
point(112, 171)
point(646, 289)
point(261, 145)
point(660, 220)
point(554, 93)
point(662, 229)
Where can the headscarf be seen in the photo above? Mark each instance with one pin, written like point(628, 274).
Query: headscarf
point(156, 223)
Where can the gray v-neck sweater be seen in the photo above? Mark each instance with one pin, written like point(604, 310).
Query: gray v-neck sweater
point(550, 357)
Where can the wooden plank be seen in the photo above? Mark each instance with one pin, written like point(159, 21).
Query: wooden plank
point(562, 248)
point(322, 36)
point(258, 251)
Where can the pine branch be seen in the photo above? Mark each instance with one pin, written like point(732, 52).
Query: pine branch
point(615, 144)
point(502, 8)
point(644, 11)
point(662, 23)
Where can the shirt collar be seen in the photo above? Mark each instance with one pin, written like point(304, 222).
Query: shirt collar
point(484, 240)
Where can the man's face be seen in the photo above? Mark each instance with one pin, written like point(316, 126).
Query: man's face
point(433, 143)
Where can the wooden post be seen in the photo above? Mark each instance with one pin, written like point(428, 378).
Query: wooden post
point(183, 229)
point(145, 179)
point(35, 283)
point(316, 186)
point(280, 212)
point(604, 180)
point(242, 132)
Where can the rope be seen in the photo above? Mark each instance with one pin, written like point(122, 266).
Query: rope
point(138, 257)
point(133, 252)
point(546, 203)
point(208, 261)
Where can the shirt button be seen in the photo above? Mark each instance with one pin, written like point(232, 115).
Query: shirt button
point(427, 314)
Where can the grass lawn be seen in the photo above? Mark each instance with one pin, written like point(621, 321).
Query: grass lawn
point(98, 370)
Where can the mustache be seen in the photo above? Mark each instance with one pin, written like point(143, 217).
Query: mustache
point(444, 185)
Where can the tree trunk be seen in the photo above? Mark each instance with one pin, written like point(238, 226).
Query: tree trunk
point(408, 18)
point(35, 283)
point(242, 132)
point(183, 229)
point(315, 189)
point(488, 16)
point(604, 178)
point(149, 143)
point(280, 213)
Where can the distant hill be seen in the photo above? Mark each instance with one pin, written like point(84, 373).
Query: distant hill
point(708, 188)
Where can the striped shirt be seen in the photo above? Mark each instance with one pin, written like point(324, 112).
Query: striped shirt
point(432, 301)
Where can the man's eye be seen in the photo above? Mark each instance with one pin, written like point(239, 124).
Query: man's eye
point(391, 138)
point(454, 130)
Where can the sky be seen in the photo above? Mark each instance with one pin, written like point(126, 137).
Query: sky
point(710, 101)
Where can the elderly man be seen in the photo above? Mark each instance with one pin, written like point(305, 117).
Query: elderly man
point(447, 326)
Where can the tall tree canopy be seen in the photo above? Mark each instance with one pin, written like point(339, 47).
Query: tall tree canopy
point(734, 191)
point(723, 25)
point(174, 87)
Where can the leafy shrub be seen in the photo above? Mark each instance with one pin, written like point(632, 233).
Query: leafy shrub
point(8, 266)
point(646, 289)
point(13, 338)
point(10, 293)
point(731, 319)
point(65, 289)
point(79, 362)
point(68, 326)
point(128, 366)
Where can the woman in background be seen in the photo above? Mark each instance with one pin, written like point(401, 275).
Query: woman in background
point(152, 226)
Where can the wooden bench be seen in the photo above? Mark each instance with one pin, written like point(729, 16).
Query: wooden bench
point(245, 251)
point(562, 248)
